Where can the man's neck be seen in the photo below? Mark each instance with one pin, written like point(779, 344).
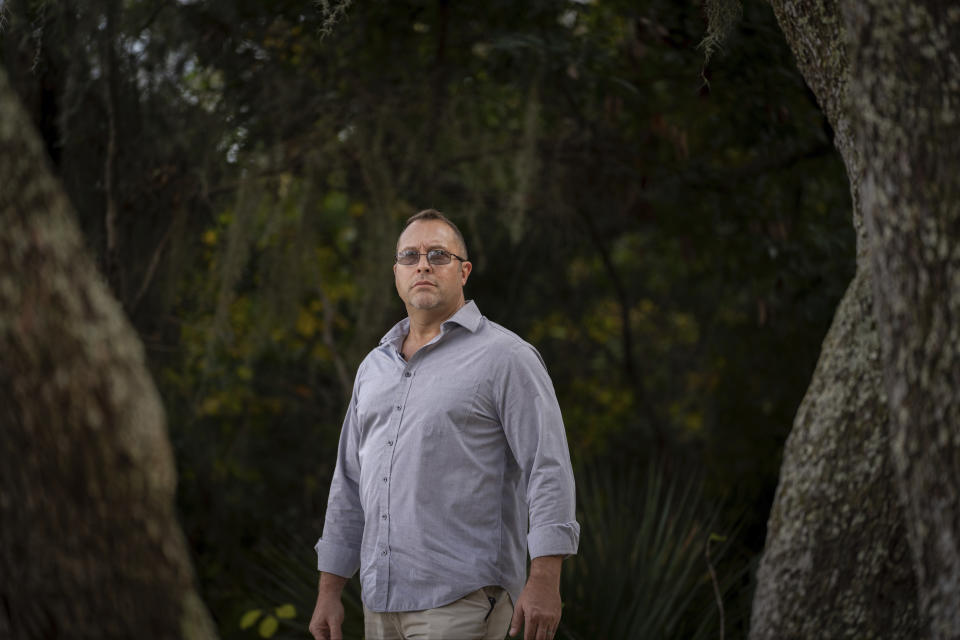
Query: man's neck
point(425, 324)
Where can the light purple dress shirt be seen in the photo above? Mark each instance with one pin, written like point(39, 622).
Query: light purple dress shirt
point(450, 467)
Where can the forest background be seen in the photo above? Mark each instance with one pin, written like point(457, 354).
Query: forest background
point(672, 233)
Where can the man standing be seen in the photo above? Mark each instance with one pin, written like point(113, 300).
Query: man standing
point(452, 464)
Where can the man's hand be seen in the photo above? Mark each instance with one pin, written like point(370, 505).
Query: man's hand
point(328, 614)
point(538, 607)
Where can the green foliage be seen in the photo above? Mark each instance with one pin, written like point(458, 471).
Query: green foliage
point(250, 618)
point(268, 627)
point(268, 623)
point(641, 571)
point(281, 568)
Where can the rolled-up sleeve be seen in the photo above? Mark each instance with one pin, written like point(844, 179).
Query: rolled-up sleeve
point(338, 550)
point(533, 427)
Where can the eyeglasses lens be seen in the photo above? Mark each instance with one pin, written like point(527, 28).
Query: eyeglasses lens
point(434, 256)
point(437, 256)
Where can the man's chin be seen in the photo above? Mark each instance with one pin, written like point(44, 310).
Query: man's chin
point(424, 302)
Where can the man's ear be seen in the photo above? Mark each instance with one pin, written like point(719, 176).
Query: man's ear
point(465, 268)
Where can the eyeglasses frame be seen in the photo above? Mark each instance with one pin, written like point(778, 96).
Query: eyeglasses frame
point(396, 258)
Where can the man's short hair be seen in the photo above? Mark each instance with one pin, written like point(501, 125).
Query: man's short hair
point(433, 214)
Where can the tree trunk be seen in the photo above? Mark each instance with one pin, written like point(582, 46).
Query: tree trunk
point(906, 94)
point(836, 562)
point(878, 427)
point(89, 543)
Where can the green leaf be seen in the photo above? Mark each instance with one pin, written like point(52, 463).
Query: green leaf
point(249, 618)
point(268, 627)
point(285, 611)
point(716, 537)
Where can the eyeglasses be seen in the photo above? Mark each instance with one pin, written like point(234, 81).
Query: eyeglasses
point(435, 257)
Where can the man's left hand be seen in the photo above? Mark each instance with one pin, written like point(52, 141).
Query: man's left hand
point(538, 607)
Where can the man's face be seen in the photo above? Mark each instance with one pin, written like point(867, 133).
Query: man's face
point(426, 286)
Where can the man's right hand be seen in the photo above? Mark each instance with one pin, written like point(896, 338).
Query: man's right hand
point(328, 614)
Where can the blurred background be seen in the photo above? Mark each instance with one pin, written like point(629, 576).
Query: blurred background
point(672, 233)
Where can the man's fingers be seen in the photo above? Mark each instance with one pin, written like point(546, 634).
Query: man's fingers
point(530, 624)
point(529, 629)
point(326, 630)
point(539, 628)
point(550, 628)
point(517, 619)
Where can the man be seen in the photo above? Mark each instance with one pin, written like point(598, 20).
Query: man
point(452, 463)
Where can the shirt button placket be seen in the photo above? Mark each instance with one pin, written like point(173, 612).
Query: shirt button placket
point(383, 570)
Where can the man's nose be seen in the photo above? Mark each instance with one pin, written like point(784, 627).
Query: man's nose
point(424, 264)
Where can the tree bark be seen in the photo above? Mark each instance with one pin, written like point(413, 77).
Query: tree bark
point(873, 461)
point(89, 543)
point(906, 94)
point(835, 563)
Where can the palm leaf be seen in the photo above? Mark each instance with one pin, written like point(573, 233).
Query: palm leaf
point(641, 570)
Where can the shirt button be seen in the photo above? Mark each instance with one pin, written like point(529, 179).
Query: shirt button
point(389, 443)
point(398, 407)
point(384, 552)
point(384, 479)
point(408, 374)
point(384, 516)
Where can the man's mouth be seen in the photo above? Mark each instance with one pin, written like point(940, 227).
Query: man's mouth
point(423, 283)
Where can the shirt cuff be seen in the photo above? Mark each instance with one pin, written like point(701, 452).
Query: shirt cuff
point(337, 559)
point(554, 540)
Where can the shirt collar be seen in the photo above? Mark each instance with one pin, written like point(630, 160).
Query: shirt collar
point(468, 316)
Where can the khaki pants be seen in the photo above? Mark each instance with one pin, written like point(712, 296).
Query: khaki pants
point(469, 618)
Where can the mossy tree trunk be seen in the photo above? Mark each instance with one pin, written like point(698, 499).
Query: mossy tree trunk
point(878, 427)
point(89, 542)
